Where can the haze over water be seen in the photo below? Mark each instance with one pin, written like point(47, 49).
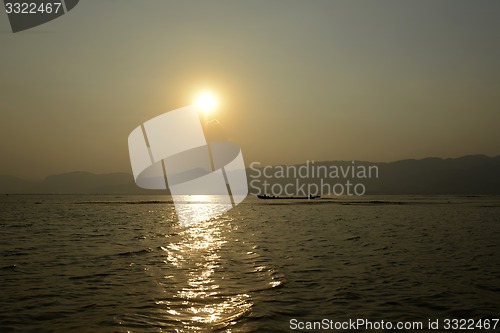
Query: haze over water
point(297, 80)
point(123, 264)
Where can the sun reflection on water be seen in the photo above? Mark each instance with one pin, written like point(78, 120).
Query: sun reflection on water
point(192, 209)
point(198, 303)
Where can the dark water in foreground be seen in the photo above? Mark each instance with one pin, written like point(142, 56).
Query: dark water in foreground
point(119, 264)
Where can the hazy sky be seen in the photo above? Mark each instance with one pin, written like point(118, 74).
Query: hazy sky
point(298, 80)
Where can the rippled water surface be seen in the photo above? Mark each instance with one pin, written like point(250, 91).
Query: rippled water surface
point(123, 264)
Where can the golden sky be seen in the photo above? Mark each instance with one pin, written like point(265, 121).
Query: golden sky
point(297, 80)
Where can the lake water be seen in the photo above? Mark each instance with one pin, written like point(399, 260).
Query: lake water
point(123, 263)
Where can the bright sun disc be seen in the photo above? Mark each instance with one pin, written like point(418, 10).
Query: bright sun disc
point(206, 101)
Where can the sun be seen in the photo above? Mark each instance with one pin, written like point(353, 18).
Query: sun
point(206, 101)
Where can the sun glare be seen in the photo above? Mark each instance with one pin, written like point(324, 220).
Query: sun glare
point(206, 101)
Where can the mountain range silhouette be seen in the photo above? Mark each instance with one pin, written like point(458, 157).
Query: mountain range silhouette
point(467, 175)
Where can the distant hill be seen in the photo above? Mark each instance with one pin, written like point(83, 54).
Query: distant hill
point(474, 174)
point(10, 184)
point(468, 175)
point(78, 182)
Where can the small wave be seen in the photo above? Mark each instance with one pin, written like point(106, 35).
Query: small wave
point(91, 276)
point(134, 253)
point(142, 202)
point(17, 252)
point(9, 267)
